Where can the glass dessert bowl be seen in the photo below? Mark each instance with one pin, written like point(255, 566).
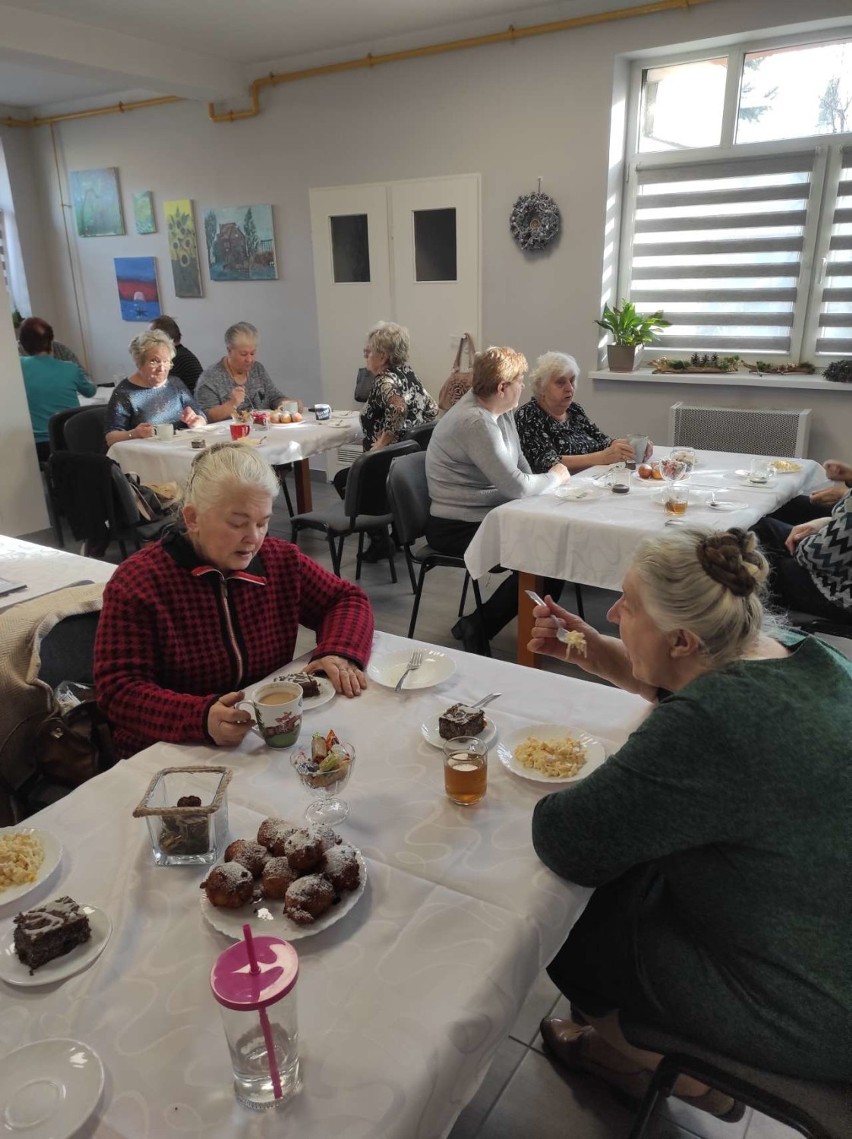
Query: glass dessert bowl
point(325, 771)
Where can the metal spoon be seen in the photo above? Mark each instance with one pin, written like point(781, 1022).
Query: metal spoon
point(485, 700)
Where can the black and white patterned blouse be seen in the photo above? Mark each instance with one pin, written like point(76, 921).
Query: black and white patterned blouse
point(544, 439)
point(397, 402)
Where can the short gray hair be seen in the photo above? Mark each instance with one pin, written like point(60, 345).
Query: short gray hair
point(142, 344)
point(392, 340)
point(549, 365)
point(241, 328)
point(710, 582)
point(223, 467)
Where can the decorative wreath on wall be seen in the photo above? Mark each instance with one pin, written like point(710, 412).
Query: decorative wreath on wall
point(535, 221)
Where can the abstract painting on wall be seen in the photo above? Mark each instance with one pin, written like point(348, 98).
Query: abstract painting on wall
point(240, 243)
point(97, 203)
point(137, 287)
point(183, 248)
point(143, 212)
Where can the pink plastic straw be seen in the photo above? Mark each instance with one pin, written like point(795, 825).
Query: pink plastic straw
point(266, 1028)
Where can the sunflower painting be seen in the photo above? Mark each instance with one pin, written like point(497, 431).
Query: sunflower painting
point(183, 248)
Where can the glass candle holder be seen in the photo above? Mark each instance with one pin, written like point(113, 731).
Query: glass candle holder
point(186, 809)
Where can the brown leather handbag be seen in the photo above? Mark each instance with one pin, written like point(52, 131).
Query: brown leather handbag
point(458, 382)
point(72, 747)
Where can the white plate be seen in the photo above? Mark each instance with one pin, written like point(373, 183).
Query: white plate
point(579, 491)
point(595, 751)
point(268, 916)
point(432, 735)
point(49, 1089)
point(60, 968)
point(52, 856)
point(326, 692)
point(389, 668)
point(726, 505)
point(745, 476)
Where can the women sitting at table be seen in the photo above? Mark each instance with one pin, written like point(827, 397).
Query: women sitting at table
point(238, 382)
point(812, 561)
point(51, 384)
point(150, 395)
point(714, 837)
point(395, 403)
point(189, 621)
point(554, 429)
point(473, 464)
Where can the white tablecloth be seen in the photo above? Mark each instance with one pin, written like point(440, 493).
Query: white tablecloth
point(592, 541)
point(169, 460)
point(45, 570)
point(402, 1003)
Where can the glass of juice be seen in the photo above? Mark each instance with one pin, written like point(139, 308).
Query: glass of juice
point(676, 498)
point(465, 770)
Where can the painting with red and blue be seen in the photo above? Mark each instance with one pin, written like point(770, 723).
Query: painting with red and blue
point(137, 287)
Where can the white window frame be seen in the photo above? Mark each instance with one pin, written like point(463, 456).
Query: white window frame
point(824, 179)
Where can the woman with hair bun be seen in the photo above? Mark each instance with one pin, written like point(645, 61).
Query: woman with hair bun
point(716, 837)
point(191, 620)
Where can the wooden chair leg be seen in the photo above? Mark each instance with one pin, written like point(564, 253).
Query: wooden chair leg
point(418, 593)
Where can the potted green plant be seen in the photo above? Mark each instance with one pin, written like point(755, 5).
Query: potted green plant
point(629, 330)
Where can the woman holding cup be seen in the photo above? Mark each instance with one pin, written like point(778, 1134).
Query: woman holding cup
point(150, 397)
point(554, 429)
point(216, 605)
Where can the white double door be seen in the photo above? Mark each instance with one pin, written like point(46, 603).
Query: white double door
point(402, 251)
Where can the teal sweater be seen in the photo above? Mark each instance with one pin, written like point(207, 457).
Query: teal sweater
point(52, 385)
point(736, 796)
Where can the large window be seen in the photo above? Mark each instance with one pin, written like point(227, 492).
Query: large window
point(738, 210)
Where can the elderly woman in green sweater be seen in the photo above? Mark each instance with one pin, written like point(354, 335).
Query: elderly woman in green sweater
point(716, 838)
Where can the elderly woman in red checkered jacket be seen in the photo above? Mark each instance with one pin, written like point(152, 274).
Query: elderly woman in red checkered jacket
point(190, 620)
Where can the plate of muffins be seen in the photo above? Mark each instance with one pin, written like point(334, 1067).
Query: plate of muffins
point(287, 879)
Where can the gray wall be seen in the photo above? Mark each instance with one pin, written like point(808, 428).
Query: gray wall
point(538, 108)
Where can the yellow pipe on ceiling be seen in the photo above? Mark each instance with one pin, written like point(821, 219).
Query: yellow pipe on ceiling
point(368, 61)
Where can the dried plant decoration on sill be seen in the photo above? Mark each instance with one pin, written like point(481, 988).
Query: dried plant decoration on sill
point(697, 365)
point(761, 368)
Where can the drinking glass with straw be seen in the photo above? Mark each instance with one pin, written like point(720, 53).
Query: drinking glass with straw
point(254, 982)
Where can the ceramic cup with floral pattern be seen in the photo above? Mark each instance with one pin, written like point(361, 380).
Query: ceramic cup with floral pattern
point(277, 711)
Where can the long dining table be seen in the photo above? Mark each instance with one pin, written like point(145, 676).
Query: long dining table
point(590, 540)
point(403, 1002)
point(169, 460)
point(42, 570)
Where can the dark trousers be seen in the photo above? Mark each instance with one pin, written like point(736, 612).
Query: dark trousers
point(451, 536)
point(791, 584)
point(800, 509)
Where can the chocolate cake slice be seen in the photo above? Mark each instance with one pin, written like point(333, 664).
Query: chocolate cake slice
point(461, 721)
point(49, 931)
point(305, 680)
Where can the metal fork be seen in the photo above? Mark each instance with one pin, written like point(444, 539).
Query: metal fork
point(412, 666)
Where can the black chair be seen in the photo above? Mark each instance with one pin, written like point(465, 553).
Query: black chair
point(86, 432)
point(98, 501)
point(820, 1111)
point(56, 427)
point(422, 433)
point(408, 494)
point(365, 506)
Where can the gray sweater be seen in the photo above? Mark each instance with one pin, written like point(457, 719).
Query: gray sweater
point(474, 463)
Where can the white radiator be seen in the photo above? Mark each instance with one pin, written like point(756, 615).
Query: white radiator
point(747, 430)
point(343, 457)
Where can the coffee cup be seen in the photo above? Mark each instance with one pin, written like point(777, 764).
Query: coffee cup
point(322, 410)
point(164, 430)
point(277, 711)
point(639, 443)
point(240, 430)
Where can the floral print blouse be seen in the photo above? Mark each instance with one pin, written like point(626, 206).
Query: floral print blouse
point(545, 439)
point(397, 402)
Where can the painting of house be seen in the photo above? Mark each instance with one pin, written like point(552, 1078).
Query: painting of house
point(240, 243)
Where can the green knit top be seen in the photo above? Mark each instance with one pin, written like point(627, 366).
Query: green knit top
point(736, 796)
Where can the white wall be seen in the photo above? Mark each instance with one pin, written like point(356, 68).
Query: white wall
point(537, 108)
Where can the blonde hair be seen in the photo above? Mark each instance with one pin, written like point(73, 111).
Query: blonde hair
point(391, 340)
point(708, 582)
point(225, 467)
point(142, 344)
point(548, 366)
point(496, 366)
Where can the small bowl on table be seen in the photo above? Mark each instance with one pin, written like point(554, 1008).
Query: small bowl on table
point(186, 833)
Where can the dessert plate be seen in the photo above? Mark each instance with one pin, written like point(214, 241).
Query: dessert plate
point(52, 857)
point(595, 751)
point(49, 1089)
point(387, 669)
point(577, 491)
point(267, 916)
point(326, 692)
point(432, 734)
point(60, 968)
point(745, 477)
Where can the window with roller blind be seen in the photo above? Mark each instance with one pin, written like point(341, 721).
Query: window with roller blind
point(738, 204)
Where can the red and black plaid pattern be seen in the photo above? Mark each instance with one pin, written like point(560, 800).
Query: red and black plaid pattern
point(175, 635)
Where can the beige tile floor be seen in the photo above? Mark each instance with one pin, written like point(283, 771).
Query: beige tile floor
point(522, 1094)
